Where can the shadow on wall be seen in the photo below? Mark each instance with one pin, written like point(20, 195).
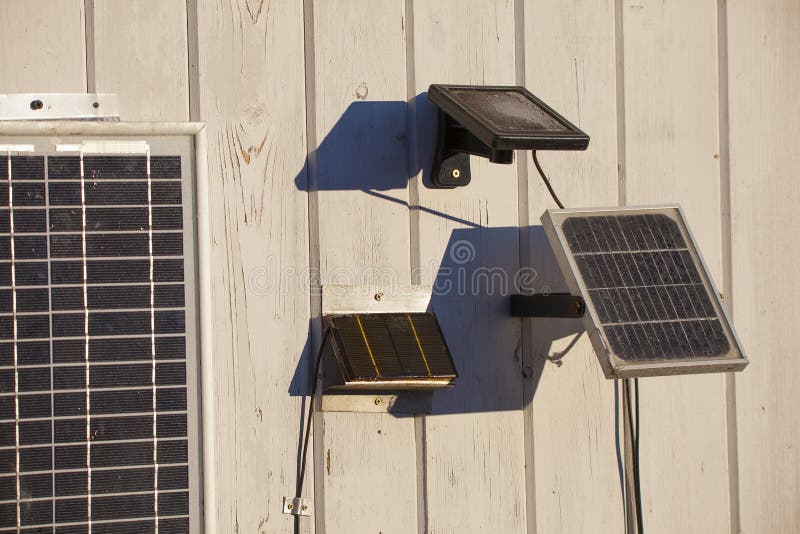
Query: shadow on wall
point(367, 150)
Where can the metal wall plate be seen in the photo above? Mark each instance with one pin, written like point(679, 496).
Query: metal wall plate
point(52, 106)
point(375, 299)
point(298, 506)
point(407, 403)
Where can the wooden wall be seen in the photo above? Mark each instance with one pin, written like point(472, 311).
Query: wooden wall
point(319, 131)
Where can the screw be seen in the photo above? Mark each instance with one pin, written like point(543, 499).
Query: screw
point(378, 402)
point(290, 506)
point(304, 507)
point(456, 173)
point(378, 296)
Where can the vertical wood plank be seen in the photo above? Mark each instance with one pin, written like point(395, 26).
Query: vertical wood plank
point(251, 95)
point(361, 165)
point(141, 54)
point(764, 76)
point(42, 47)
point(570, 55)
point(672, 147)
point(475, 461)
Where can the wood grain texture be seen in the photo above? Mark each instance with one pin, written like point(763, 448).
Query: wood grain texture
point(764, 78)
point(569, 53)
point(672, 147)
point(259, 252)
point(42, 46)
point(141, 54)
point(361, 167)
point(362, 142)
point(475, 462)
point(369, 474)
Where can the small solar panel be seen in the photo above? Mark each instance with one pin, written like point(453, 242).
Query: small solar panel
point(652, 308)
point(397, 350)
point(508, 117)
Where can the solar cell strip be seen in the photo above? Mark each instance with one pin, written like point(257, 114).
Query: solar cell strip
point(366, 343)
point(152, 336)
point(86, 344)
point(18, 511)
point(419, 344)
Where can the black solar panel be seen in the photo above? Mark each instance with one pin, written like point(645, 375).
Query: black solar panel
point(650, 295)
point(391, 347)
point(94, 410)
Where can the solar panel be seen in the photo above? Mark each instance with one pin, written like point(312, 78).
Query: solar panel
point(98, 429)
point(395, 350)
point(651, 306)
point(507, 117)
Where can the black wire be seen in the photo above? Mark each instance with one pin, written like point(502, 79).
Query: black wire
point(636, 477)
point(634, 426)
point(626, 384)
point(304, 454)
point(546, 181)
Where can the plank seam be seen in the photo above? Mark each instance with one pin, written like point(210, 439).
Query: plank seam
point(415, 253)
point(727, 261)
point(315, 329)
point(88, 18)
point(193, 58)
point(524, 259)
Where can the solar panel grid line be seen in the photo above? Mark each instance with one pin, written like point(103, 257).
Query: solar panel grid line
point(86, 343)
point(152, 334)
point(73, 496)
point(14, 308)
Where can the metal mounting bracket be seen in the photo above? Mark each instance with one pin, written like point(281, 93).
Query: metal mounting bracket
point(298, 506)
point(557, 305)
point(54, 106)
point(454, 144)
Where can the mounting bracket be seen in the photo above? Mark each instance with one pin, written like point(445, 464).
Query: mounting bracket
point(454, 144)
point(298, 506)
point(557, 305)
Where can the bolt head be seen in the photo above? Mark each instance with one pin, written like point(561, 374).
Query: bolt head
point(378, 401)
point(304, 507)
point(290, 506)
point(456, 173)
point(378, 296)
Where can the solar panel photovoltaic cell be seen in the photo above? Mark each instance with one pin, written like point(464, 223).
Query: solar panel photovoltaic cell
point(646, 287)
point(94, 403)
point(391, 346)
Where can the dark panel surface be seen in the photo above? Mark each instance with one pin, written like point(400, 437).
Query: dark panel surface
point(646, 287)
point(93, 371)
point(392, 346)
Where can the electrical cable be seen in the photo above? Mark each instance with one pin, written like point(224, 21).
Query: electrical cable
point(546, 180)
point(630, 409)
point(304, 453)
point(636, 478)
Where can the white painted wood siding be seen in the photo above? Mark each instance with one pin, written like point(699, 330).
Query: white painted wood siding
point(319, 132)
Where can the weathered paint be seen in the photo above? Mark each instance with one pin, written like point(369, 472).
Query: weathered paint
point(309, 107)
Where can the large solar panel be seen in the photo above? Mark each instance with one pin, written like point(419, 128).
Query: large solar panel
point(651, 306)
point(391, 350)
point(98, 397)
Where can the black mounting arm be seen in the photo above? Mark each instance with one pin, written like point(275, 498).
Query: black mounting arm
point(454, 144)
point(558, 305)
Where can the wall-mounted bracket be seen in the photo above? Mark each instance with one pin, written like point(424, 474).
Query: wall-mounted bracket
point(454, 144)
point(492, 122)
point(557, 305)
point(298, 506)
point(53, 106)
